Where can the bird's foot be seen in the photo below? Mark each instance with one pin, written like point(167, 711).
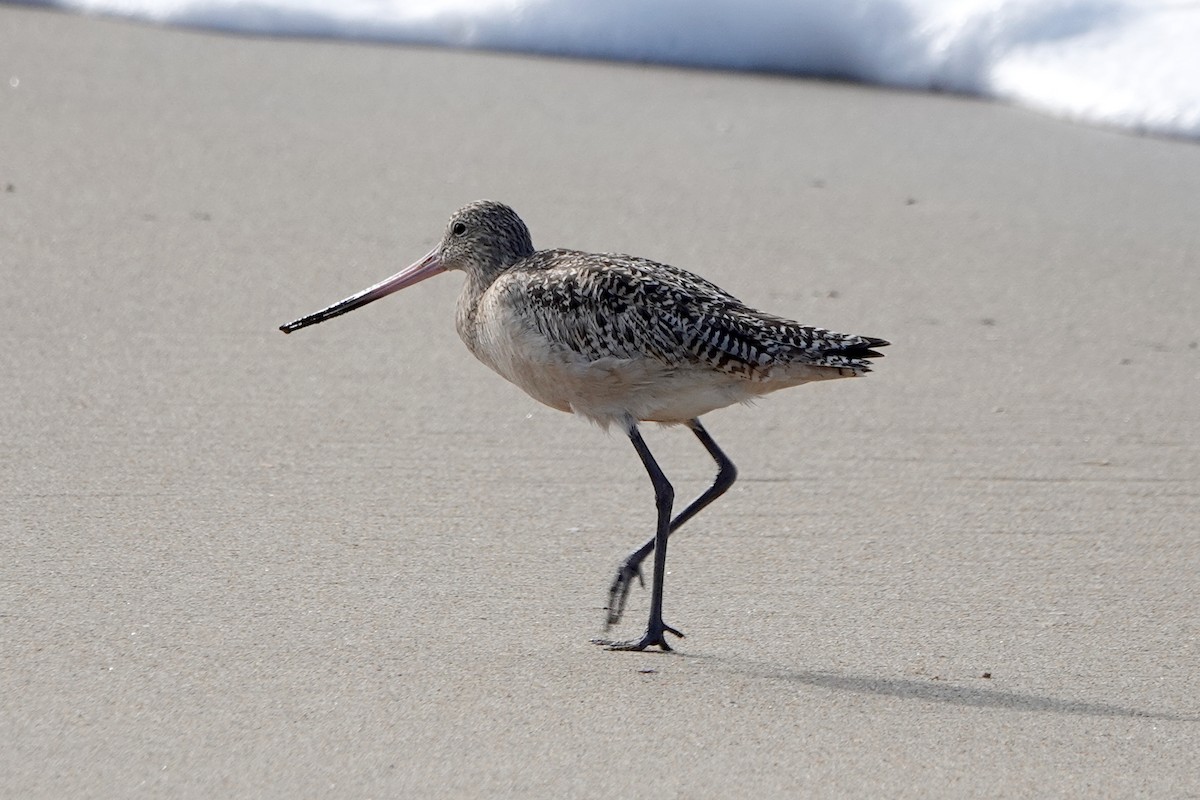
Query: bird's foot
point(654, 636)
point(618, 591)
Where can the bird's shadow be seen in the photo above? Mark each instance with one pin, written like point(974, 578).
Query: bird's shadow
point(935, 691)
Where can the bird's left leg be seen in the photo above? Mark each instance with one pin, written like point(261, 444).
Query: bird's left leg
point(631, 567)
point(664, 498)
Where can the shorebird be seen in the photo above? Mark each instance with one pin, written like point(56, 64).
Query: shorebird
point(618, 340)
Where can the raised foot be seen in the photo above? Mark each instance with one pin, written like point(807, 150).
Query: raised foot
point(653, 636)
point(618, 591)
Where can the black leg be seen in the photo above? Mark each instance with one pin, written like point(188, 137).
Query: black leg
point(664, 497)
point(631, 567)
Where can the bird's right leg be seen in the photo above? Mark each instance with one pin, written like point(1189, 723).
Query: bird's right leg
point(631, 567)
point(664, 498)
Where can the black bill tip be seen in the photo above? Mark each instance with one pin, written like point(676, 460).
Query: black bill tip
point(313, 319)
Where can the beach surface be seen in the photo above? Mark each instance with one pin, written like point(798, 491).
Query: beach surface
point(352, 562)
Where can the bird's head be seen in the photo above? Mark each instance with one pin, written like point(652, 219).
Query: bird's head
point(482, 239)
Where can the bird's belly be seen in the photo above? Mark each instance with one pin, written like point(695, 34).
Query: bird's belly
point(608, 389)
point(612, 389)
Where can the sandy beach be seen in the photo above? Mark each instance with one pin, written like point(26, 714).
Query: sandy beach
point(352, 562)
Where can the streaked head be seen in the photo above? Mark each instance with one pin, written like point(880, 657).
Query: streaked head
point(482, 239)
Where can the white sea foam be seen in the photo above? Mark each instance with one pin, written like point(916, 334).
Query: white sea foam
point(1132, 64)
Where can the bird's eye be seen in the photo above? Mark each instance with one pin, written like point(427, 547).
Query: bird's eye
point(458, 229)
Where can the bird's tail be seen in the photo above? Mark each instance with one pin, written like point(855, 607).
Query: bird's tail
point(853, 353)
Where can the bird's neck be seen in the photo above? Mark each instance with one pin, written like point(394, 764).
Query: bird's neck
point(468, 307)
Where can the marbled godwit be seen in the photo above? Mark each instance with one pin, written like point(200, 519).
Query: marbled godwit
point(618, 339)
